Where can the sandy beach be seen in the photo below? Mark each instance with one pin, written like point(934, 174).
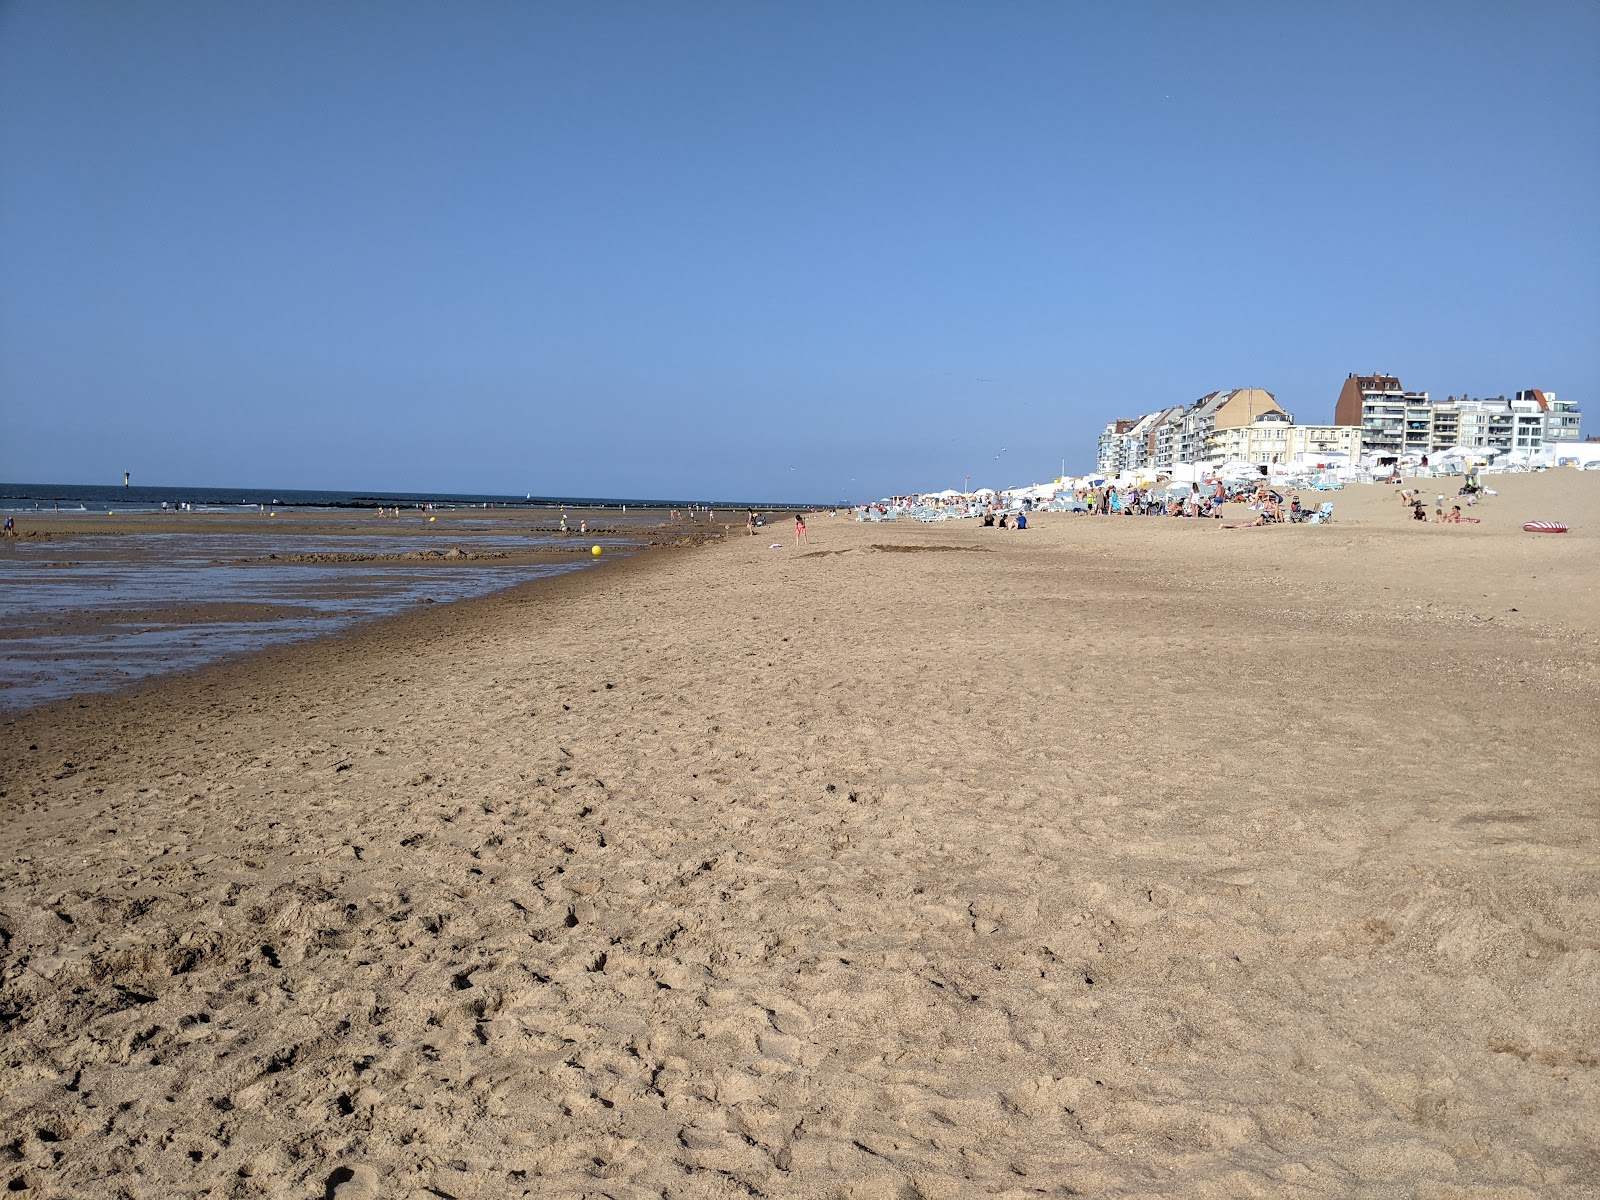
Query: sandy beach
point(1118, 857)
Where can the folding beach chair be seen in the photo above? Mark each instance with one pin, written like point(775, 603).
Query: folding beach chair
point(1323, 515)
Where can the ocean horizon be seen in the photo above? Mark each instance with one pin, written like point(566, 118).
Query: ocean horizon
point(72, 497)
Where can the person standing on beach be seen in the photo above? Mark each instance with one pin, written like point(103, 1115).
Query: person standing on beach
point(799, 529)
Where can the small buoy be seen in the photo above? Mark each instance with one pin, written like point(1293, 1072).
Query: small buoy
point(1544, 527)
point(431, 519)
point(595, 550)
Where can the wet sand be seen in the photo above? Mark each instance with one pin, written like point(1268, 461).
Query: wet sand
point(650, 524)
point(96, 601)
point(1126, 857)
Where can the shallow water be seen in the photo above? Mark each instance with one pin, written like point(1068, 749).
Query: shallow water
point(94, 614)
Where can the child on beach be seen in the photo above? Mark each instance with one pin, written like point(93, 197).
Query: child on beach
point(799, 529)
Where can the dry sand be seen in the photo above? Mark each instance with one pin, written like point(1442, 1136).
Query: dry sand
point(1120, 857)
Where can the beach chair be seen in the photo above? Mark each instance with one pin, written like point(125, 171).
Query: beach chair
point(1323, 515)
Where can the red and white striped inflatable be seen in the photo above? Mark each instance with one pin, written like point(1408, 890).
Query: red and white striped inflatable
point(1544, 527)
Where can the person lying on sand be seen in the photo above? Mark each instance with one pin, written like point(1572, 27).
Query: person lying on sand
point(1261, 519)
point(1455, 517)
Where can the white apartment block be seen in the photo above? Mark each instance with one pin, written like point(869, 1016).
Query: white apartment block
point(1395, 422)
point(1374, 415)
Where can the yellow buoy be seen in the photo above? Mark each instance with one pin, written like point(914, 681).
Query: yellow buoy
point(433, 518)
point(595, 550)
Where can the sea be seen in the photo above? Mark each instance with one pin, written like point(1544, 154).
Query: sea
point(82, 612)
point(18, 498)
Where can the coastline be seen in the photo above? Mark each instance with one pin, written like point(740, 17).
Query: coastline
point(401, 631)
point(96, 605)
point(1140, 856)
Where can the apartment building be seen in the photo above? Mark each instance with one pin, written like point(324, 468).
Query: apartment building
point(1141, 440)
point(1182, 433)
point(1275, 437)
point(1166, 436)
point(1374, 415)
point(1390, 418)
point(1562, 420)
point(1221, 410)
point(1395, 422)
point(1111, 457)
point(1495, 423)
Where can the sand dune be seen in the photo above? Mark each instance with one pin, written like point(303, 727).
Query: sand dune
point(1117, 858)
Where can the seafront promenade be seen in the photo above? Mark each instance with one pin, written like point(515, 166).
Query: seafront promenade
point(1126, 857)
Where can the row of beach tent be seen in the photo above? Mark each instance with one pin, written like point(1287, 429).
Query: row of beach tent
point(1324, 472)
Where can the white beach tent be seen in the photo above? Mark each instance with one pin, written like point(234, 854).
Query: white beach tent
point(1035, 491)
point(1574, 454)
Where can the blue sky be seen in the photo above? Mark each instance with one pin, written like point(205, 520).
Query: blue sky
point(761, 250)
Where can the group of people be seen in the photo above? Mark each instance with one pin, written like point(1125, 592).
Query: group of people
point(999, 520)
point(1271, 509)
point(1417, 504)
point(1135, 502)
